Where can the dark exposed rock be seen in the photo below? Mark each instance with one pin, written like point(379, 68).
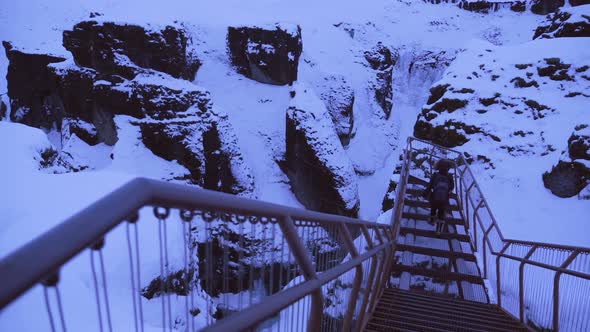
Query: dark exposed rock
point(154, 96)
point(563, 24)
point(266, 55)
point(567, 179)
point(122, 49)
point(449, 105)
point(321, 175)
point(29, 86)
point(520, 82)
point(381, 59)
point(579, 2)
point(436, 93)
point(518, 6)
point(197, 138)
point(543, 7)
point(3, 109)
point(578, 145)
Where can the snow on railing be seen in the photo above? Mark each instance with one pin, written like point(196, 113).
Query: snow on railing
point(546, 286)
point(167, 256)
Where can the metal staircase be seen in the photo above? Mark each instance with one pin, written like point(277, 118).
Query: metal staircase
point(194, 259)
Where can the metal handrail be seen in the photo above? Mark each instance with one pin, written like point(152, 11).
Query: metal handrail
point(90, 225)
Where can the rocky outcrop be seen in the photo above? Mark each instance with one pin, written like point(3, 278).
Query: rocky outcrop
point(338, 96)
point(177, 120)
point(3, 109)
point(266, 54)
point(29, 86)
point(543, 7)
point(123, 49)
point(572, 173)
point(570, 22)
point(381, 60)
point(320, 172)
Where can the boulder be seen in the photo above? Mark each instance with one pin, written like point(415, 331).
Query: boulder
point(567, 179)
point(570, 22)
point(123, 49)
point(338, 96)
point(381, 60)
point(266, 54)
point(320, 172)
point(543, 7)
point(572, 173)
point(29, 86)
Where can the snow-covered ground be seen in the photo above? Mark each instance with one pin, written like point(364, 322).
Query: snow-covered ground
point(335, 34)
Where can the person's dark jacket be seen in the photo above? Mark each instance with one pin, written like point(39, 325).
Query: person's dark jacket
point(428, 190)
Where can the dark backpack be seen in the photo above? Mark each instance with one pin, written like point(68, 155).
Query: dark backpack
point(440, 189)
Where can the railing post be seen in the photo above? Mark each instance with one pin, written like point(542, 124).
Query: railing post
point(369, 287)
point(475, 216)
point(556, 280)
point(498, 283)
point(485, 256)
point(521, 282)
point(356, 285)
point(308, 270)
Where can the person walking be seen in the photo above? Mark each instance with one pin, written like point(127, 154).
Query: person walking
point(438, 193)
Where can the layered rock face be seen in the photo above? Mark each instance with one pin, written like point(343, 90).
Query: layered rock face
point(566, 22)
point(321, 174)
point(381, 60)
point(572, 173)
point(29, 84)
point(126, 70)
point(540, 7)
point(123, 49)
point(266, 54)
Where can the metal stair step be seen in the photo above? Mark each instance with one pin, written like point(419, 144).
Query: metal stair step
point(484, 324)
point(416, 180)
point(418, 192)
point(393, 294)
point(426, 217)
point(426, 323)
point(444, 275)
point(426, 205)
point(432, 234)
point(436, 252)
point(394, 326)
point(449, 308)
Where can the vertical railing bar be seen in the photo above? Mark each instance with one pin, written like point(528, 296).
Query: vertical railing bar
point(498, 273)
point(162, 280)
point(308, 271)
point(137, 259)
point(105, 291)
point(167, 268)
point(186, 270)
point(96, 291)
point(556, 280)
point(60, 308)
point(48, 307)
point(521, 282)
point(132, 274)
point(348, 241)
